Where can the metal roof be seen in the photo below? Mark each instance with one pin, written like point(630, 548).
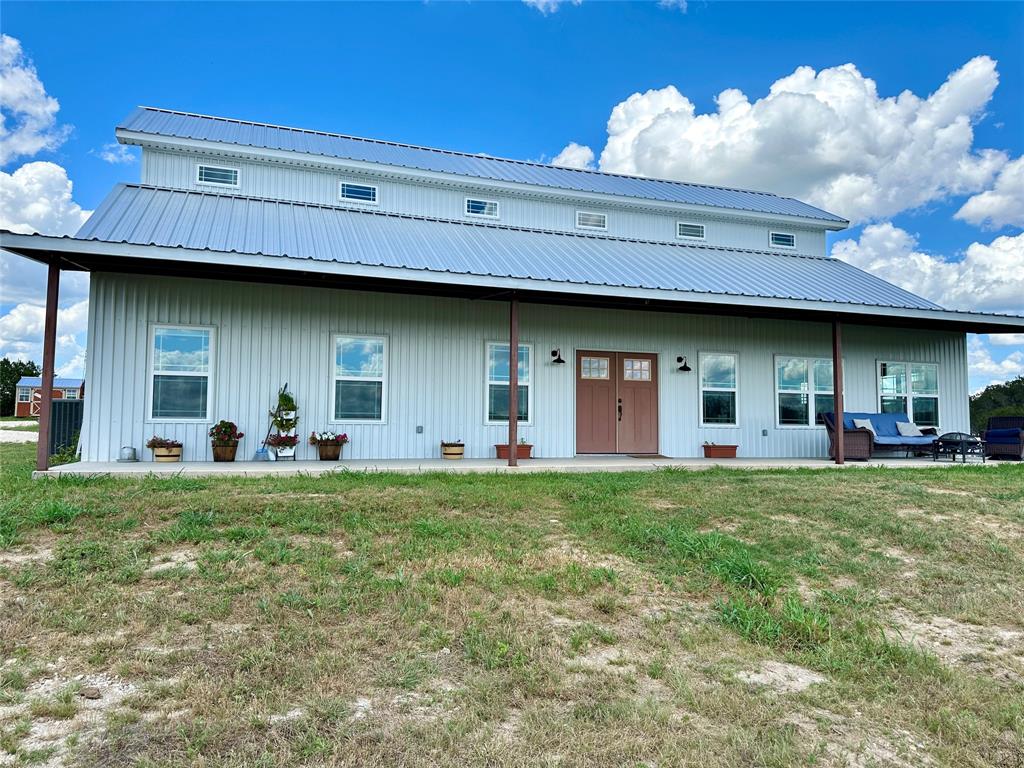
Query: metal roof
point(185, 125)
point(37, 381)
point(142, 215)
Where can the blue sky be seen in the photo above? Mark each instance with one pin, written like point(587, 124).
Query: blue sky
point(514, 80)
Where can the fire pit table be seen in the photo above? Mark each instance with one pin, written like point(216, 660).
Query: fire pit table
point(961, 444)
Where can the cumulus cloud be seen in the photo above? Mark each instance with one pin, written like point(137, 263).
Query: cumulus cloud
point(37, 198)
point(983, 367)
point(115, 154)
point(575, 156)
point(1006, 339)
point(1001, 205)
point(21, 329)
point(673, 5)
point(28, 116)
point(549, 6)
point(827, 137)
point(989, 277)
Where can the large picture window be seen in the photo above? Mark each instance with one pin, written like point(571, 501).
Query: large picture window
point(180, 367)
point(910, 388)
point(803, 390)
point(360, 375)
point(718, 389)
point(498, 382)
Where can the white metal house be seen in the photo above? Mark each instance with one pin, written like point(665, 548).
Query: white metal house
point(387, 283)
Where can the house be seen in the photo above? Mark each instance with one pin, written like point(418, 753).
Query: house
point(391, 286)
point(29, 393)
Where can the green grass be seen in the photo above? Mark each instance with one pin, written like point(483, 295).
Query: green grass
point(595, 619)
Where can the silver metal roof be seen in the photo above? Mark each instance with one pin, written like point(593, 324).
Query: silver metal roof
point(141, 215)
point(37, 381)
point(185, 125)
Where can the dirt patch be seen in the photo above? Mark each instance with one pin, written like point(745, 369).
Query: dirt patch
point(609, 659)
point(781, 677)
point(185, 559)
point(25, 556)
point(855, 743)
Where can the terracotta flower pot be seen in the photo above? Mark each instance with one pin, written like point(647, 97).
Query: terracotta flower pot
point(329, 451)
point(167, 454)
point(225, 451)
point(720, 451)
point(523, 450)
point(453, 452)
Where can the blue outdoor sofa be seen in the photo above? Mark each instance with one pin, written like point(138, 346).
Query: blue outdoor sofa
point(859, 443)
point(1005, 437)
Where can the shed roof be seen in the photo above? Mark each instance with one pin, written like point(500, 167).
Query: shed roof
point(37, 381)
point(186, 125)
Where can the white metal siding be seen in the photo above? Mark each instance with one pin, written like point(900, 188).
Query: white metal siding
point(268, 335)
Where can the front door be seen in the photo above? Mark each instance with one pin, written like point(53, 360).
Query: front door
point(616, 402)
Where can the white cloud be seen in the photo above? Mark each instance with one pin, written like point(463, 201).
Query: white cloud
point(989, 277)
point(1001, 205)
point(1006, 339)
point(21, 331)
point(827, 137)
point(37, 198)
point(575, 156)
point(673, 5)
point(115, 154)
point(549, 6)
point(985, 369)
point(28, 116)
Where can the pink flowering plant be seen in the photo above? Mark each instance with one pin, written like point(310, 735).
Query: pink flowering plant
point(283, 441)
point(162, 442)
point(225, 433)
point(328, 438)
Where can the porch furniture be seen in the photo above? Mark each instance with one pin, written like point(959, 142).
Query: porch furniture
point(953, 444)
point(1005, 437)
point(861, 443)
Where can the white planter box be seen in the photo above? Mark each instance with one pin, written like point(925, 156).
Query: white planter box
point(285, 454)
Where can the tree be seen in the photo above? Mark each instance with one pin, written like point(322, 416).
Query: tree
point(997, 400)
point(10, 372)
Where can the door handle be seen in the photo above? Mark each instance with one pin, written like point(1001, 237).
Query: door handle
point(620, 409)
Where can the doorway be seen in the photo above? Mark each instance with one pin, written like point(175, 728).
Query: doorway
point(616, 402)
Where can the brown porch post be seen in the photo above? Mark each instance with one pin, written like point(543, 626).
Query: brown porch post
point(837, 389)
point(49, 346)
point(513, 382)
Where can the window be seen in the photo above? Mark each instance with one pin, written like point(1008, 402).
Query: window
point(360, 371)
point(718, 388)
point(358, 193)
point(486, 208)
point(636, 369)
point(217, 176)
point(689, 231)
point(910, 388)
point(180, 363)
point(594, 368)
point(590, 220)
point(782, 239)
point(70, 394)
point(24, 395)
point(498, 385)
point(803, 390)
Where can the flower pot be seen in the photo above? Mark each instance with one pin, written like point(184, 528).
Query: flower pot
point(167, 454)
point(225, 451)
point(453, 452)
point(523, 450)
point(285, 453)
point(329, 451)
point(720, 451)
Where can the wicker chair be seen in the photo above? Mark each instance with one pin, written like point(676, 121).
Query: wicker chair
point(1000, 439)
point(856, 442)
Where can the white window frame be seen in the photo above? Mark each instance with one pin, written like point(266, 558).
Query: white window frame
point(495, 215)
point(487, 383)
point(909, 394)
point(681, 236)
point(588, 227)
point(812, 392)
point(217, 184)
point(354, 183)
point(383, 378)
point(151, 373)
point(70, 394)
point(27, 392)
point(772, 244)
point(701, 389)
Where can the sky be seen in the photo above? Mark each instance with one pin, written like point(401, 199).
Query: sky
point(907, 119)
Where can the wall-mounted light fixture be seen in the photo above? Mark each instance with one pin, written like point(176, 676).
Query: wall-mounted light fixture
point(684, 367)
point(556, 357)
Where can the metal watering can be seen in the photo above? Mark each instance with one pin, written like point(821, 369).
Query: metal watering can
point(128, 454)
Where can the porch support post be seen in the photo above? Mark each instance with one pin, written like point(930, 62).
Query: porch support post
point(837, 389)
point(513, 382)
point(49, 346)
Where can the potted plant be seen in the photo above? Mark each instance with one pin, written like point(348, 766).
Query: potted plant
point(715, 451)
point(164, 448)
point(523, 450)
point(328, 444)
point(453, 450)
point(224, 437)
point(284, 446)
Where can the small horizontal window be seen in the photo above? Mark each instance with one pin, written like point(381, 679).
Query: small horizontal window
point(590, 220)
point(486, 208)
point(782, 240)
point(358, 193)
point(212, 174)
point(690, 231)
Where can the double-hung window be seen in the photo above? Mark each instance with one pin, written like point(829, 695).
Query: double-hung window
point(803, 390)
point(498, 382)
point(24, 394)
point(910, 388)
point(181, 364)
point(360, 378)
point(718, 388)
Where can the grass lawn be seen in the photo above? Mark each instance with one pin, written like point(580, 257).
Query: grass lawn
point(13, 422)
point(717, 618)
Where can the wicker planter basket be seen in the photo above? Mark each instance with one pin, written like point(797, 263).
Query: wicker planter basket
point(329, 451)
point(523, 450)
point(452, 452)
point(720, 451)
point(225, 452)
point(167, 454)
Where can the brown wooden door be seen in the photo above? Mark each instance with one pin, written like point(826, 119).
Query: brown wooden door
point(616, 402)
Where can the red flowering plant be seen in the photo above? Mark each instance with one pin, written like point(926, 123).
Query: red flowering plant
point(162, 442)
point(225, 433)
point(282, 441)
point(328, 438)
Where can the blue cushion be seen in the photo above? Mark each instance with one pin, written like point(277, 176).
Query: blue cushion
point(884, 423)
point(999, 435)
point(1002, 440)
point(890, 440)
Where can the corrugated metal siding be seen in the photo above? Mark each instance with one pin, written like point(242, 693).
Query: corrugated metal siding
point(270, 335)
point(189, 126)
point(149, 216)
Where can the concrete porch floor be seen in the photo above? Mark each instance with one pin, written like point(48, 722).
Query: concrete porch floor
point(417, 466)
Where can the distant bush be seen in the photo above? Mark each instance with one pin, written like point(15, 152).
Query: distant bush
point(997, 400)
